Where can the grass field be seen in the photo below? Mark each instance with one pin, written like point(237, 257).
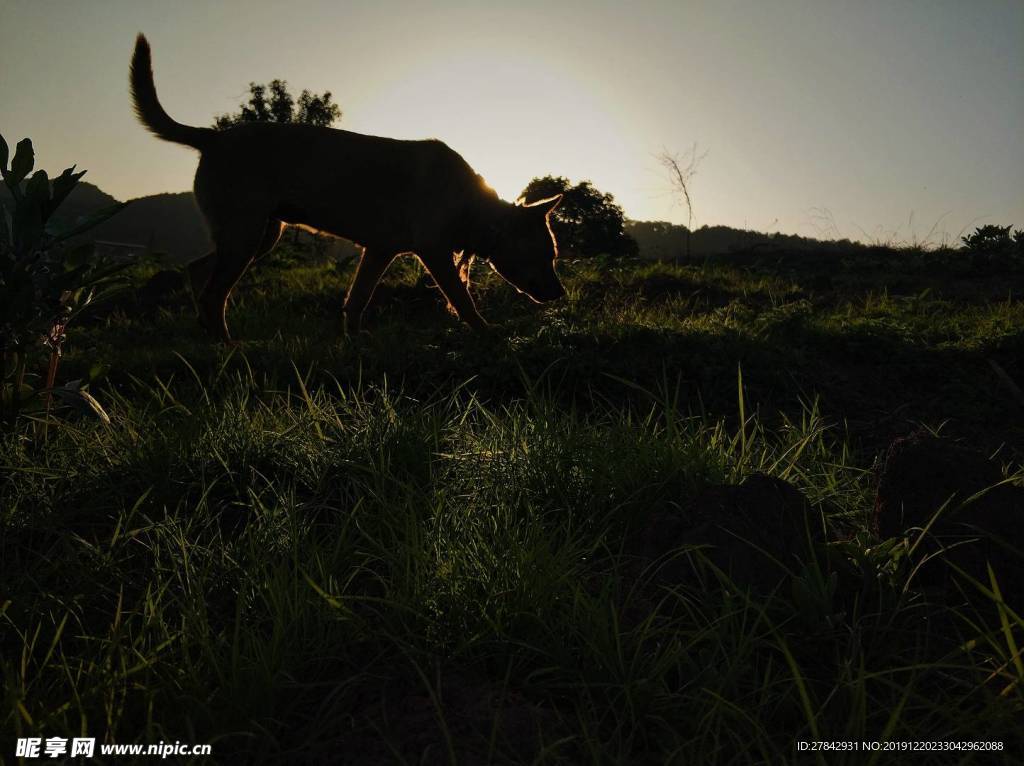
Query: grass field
point(428, 545)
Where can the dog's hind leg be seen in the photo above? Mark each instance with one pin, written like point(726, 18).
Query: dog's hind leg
point(238, 243)
point(372, 265)
point(270, 237)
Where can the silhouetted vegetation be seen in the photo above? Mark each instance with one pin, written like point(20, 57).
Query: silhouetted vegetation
point(661, 240)
point(587, 223)
point(280, 107)
point(993, 238)
point(43, 284)
point(681, 170)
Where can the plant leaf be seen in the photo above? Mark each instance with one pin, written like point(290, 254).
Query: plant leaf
point(62, 186)
point(5, 231)
point(27, 226)
point(82, 401)
point(37, 191)
point(4, 153)
point(21, 165)
point(93, 220)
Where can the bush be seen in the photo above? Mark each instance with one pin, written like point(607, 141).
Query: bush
point(995, 239)
point(45, 281)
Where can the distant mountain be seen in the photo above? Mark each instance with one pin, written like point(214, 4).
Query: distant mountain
point(163, 223)
point(172, 224)
point(660, 240)
point(85, 198)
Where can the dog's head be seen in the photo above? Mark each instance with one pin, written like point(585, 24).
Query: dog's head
point(524, 255)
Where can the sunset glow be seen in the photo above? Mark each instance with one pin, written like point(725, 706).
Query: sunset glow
point(491, 104)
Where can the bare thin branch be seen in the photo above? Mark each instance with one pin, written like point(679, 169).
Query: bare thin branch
point(681, 170)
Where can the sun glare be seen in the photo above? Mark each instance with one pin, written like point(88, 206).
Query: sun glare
point(512, 117)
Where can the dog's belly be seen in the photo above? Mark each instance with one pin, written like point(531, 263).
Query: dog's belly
point(381, 228)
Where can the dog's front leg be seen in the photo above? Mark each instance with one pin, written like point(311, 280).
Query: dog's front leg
point(464, 264)
point(445, 273)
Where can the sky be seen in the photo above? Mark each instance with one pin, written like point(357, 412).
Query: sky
point(894, 120)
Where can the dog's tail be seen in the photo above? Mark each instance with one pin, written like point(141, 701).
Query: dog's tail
point(148, 108)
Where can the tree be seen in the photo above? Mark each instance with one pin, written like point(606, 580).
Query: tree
point(992, 238)
point(587, 222)
point(316, 110)
point(681, 170)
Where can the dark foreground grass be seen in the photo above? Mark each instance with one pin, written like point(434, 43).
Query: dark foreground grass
point(419, 547)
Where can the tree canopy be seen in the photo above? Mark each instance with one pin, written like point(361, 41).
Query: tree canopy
point(279, 106)
point(588, 222)
point(992, 238)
